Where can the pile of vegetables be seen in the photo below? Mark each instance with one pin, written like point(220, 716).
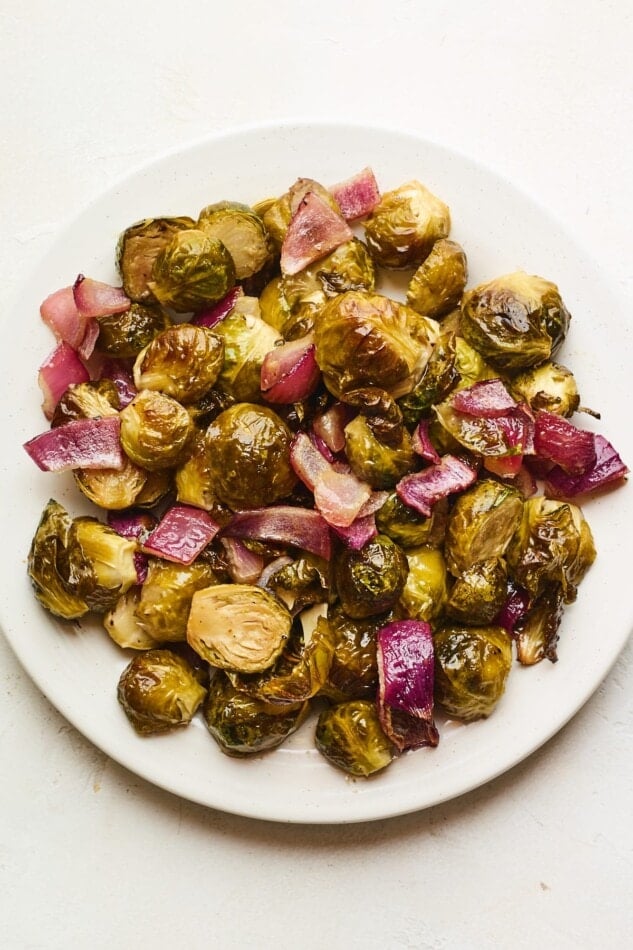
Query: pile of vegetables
point(315, 494)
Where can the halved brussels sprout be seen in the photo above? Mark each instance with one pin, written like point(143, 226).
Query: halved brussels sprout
point(410, 529)
point(370, 581)
point(155, 430)
point(242, 725)
point(249, 457)
point(163, 607)
point(426, 591)
point(365, 339)
point(404, 226)
point(48, 564)
point(243, 234)
point(112, 489)
point(183, 361)
point(95, 399)
point(122, 625)
point(437, 286)
point(247, 339)
point(382, 466)
point(158, 691)
point(238, 627)
point(479, 592)
point(515, 321)
point(123, 335)
point(550, 386)
point(472, 665)
point(100, 564)
point(192, 272)
point(481, 524)
point(350, 736)
point(553, 544)
point(138, 248)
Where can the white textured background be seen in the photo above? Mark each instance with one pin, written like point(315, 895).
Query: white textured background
point(92, 857)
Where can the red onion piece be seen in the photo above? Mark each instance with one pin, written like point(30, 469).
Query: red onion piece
point(96, 299)
point(121, 376)
point(488, 399)
point(135, 525)
point(82, 443)
point(330, 425)
point(87, 345)
point(319, 444)
point(406, 678)
point(515, 608)
point(308, 463)
point(59, 311)
point(290, 372)
point(374, 503)
point(340, 497)
point(299, 527)
point(361, 530)
point(563, 443)
point(421, 443)
point(244, 565)
point(181, 534)
point(314, 231)
point(608, 468)
point(358, 195)
point(61, 369)
point(422, 489)
point(220, 310)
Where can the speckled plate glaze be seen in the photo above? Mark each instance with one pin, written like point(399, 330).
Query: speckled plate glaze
point(501, 230)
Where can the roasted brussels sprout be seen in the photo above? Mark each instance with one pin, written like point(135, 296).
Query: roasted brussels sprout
point(425, 592)
point(192, 272)
point(122, 625)
point(112, 489)
point(481, 524)
point(243, 234)
point(48, 564)
point(242, 725)
point(479, 592)
point(550, 386)
point(350, 736)
point(163, 607)
point(249, 456)
point(553, 544)
point(370, 581)
point(93, 400)
point(437, 286)
point(410, 529)
point(515, 321)
point(138, 248)
point(382, 466)
point(439, 376)
point(158, 691)
point(155, 430)
point(183, 361)
point(123, 335)
point(354, 669)
point(247, 339)
point(238, 627)
point(366, 339)
point(405, 225)
point(471, 669)
point(157, 486)
point(100, 563)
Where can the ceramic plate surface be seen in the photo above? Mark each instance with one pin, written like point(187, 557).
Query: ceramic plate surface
point(502, 230)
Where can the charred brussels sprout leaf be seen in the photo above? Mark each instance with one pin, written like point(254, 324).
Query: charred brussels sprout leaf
point(354, 669)
point(158, 691)
point(410, 529)
point(479, 592)
point(243, 234)
point(93, 400)
point(405, 225)
point(123, 335)
point(366, 339)
point(138, 248)
point(155, 430)
point(370, 581)
point(242, 725)
point(437, 286)
point(100, 564)
point(481, 524)
point(350, 737)
point(163, 607)
point(537, 632)
point(47, 564)
point(382, 466)
point(183, 361)
point(192, 272)
point(238, 627)
point(515, 321)
point(247, 339)
point(425, 592)
point(249, 455)
point(471, 669)
point(550, 386)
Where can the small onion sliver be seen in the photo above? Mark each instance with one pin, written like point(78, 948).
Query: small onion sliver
point(422, 445)
point(220, 310)
point(245, 566)
point(563, 443)
point(290, 372)
point(608, 468)
point(59, 312)
point(314, 231)
point(488, 399)
point(96, 299)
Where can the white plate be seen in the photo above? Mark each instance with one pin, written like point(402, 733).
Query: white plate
point(501, 230)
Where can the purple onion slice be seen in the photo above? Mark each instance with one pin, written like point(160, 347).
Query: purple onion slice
point(82, 443)
point(357, 196)
point(299, 527)
point(182, 533)
point(423, 489)
point(607, 469)
point(314, 231)
point(406, 678)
